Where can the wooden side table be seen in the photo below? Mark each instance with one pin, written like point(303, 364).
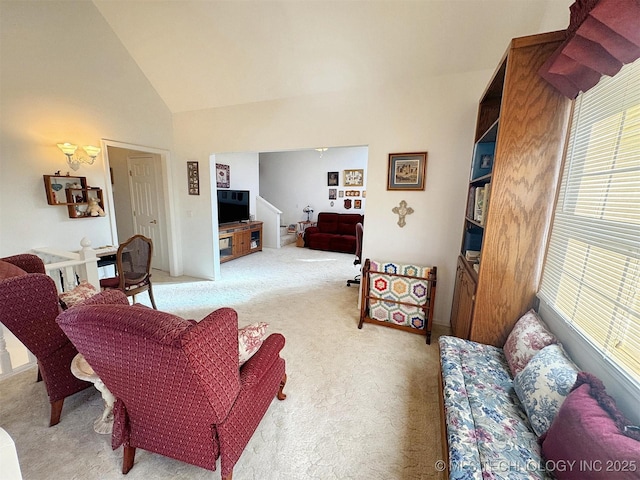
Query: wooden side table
point(302, 226)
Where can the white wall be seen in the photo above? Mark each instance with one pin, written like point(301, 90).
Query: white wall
point(434, 114)
point(243, 173)
point(292, 180)
point(64, 76)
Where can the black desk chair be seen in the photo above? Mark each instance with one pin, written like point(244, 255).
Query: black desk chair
point(357, 261)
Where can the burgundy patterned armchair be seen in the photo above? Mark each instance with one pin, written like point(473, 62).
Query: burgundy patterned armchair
point(179, 389)
point(28, 308)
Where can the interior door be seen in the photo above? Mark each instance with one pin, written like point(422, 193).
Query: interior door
point(148, 214)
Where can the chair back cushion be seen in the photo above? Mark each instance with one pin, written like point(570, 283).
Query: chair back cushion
point(328, 222)
point(8, 270)
point(339, 223)
point(28, 262)
point(347, 223)
point(29, 309)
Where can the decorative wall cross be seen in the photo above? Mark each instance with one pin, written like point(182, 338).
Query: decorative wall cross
point(402, 211)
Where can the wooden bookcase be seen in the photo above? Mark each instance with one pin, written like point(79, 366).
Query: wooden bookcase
point(72, 192)
point(239, 239)
point(519, 140)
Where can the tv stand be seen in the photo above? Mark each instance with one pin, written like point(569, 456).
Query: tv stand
point(239, 239)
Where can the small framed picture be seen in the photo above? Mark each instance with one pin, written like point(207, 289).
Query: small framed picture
point(357, 204)
point(407, 171)
point(486, 161)
point(193, 178)
point(333, 193)
point(332, 179)
point(353, 178)
point(222, 176)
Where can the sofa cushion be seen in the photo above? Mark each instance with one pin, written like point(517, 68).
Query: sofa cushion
point(343, 243)
point(8, 270)
point(528, 337)
point(328, 222)
point(543, 384)
point(588, 434)
point(487, 429)
point(347, 223)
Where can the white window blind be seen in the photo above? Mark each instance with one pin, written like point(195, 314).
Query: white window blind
point(592, 271)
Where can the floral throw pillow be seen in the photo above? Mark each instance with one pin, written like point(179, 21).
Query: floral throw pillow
point(528, 337)
point(543, 385)
point(249, 340)
point(79, 294)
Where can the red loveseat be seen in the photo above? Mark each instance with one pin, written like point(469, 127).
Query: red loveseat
point(335, 232)
point(180, 390)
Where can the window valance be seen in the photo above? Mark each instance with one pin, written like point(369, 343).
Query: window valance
point(602, 36)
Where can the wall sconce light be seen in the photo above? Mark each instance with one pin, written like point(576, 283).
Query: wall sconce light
point(74, 161)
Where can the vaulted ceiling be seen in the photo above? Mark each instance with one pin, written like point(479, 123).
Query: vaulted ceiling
point(206, 54)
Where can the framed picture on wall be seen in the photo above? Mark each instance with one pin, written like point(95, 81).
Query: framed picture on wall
point(353, 178)
point(407, 171)
point(222, 176)
point(193, 178)
point(333, 192)
point(332, 179)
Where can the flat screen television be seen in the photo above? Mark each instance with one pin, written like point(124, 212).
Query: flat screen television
point(233, 206)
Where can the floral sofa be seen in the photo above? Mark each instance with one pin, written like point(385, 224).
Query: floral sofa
point(525, 411)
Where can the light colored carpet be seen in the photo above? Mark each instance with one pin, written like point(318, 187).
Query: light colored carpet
point(361, 404)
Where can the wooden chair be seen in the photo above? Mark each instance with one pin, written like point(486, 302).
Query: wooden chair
point(133, 267)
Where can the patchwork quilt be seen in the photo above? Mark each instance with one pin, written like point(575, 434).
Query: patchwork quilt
point(407, 294)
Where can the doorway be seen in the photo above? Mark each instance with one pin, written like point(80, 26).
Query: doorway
point(138, 193)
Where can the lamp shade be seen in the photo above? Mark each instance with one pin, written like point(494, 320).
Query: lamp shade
point(67, 148)
point(92, 151)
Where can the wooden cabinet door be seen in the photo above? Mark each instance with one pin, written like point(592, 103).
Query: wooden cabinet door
point(243, 242)
point(463, 299)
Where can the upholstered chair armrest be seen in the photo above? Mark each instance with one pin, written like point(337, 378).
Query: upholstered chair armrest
point(211, 346)
point(252, 372)
point(311, 230)
point(106, 297)
point(26, 261)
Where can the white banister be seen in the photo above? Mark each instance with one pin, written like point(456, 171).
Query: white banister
point(269, 215)
point(88, 254)
point(68, 268)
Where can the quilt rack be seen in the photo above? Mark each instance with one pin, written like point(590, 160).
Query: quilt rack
point(398, 296)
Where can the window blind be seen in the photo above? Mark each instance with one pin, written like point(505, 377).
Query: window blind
point(591, 276)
